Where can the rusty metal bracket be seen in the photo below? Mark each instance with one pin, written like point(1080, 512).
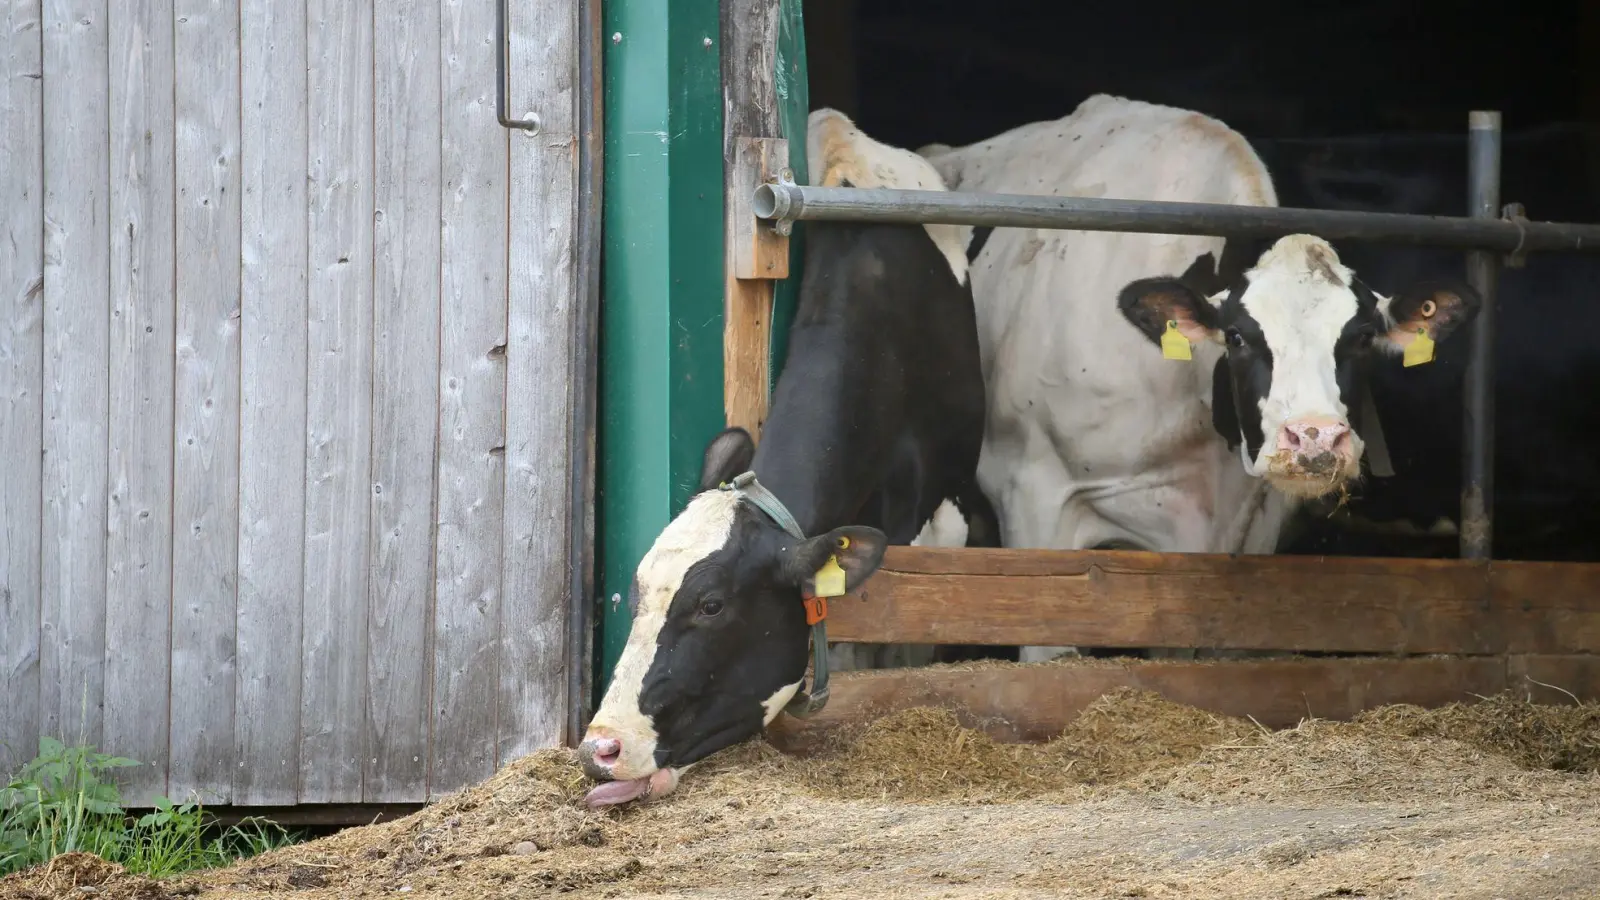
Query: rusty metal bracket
point(760, 250)
point(531, 122)
point(1518, 216)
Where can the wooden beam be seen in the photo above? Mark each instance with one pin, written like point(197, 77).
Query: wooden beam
point(1554, 679)
point(755, 248)
point(1136, 599)
point(1033, 703)
point(750, 98)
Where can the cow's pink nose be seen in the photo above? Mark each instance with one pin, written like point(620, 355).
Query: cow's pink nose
point(598, 755)
point(1312, 437)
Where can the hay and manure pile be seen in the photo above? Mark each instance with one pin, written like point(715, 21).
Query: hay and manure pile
point(1138, 798)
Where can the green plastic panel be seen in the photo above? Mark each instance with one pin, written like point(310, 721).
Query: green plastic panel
point(661, 306)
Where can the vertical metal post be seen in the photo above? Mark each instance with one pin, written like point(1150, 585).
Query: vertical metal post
point(1483, 270)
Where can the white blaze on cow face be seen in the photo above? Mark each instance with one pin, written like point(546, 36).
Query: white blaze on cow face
point(699, 531)
point(1300, 297)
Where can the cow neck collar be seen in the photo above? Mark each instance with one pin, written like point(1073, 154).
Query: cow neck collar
point(802, 704)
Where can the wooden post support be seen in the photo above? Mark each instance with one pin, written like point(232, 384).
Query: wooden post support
point(754, 254)
point(755, 248)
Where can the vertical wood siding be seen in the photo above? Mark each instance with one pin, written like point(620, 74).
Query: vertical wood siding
point(285, 332)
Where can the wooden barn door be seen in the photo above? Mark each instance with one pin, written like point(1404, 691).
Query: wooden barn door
point(293, 384)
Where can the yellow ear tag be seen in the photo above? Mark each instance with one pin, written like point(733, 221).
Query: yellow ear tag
point(830, 579)
point(1420, 350)
point(1173, 344)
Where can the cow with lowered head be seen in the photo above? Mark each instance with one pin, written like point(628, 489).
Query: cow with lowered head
point(1095, 437)
point(872, 439)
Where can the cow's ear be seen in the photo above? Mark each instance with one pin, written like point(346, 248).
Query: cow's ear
point(1151, 304)
point(727, 457)
point(857, 549)
point(1437, 310)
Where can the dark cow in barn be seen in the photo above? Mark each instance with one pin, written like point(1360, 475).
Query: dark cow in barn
point(1167, 392)
point(1547, 494)
point(872, 439)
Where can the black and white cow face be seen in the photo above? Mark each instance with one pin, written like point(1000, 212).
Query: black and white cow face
point(1296, 332)
point(719, 641)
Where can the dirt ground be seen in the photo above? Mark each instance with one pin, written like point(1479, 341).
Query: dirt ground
point(1139, 798)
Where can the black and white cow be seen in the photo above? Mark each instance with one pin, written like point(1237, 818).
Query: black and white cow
point(1547, 490)
point(872, 439)
point(1094, 439)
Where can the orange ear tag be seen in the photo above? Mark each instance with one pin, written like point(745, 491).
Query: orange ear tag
point(1420, 350)
point(1173, 344)
point(830, 579)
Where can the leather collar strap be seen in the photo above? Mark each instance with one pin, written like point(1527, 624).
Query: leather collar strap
point(803, 704)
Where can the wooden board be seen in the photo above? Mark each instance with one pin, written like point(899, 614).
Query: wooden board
point(339, 406)
point(272, 435)
point(405, 393)
point(755, 248)
point(21, 375)
point(1554, 679)
point(749, 40)
point(532, 694)
point(139, 554)
point(472, 402)
point(76, 351)
point(1134, 599)
point(1033, 703)
point(205, 571)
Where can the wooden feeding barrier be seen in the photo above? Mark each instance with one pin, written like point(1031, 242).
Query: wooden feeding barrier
point(1432, 631)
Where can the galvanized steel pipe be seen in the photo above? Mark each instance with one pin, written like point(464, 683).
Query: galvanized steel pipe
point(792, 202)
point(1477, 394)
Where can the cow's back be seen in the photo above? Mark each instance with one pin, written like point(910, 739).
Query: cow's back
point(1083, 412)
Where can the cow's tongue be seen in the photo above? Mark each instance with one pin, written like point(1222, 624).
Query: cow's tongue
point(613, 792)
point(659, 784)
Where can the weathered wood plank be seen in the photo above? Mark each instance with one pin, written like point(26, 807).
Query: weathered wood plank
point(139, 555)
point(205, 570)
point(472, 402)
point(1555, 678)
point(405, 388)
point(21, 374)
point(543, 301)
point(755, 248)
point(77, 308)
point(1032, 703)
point(339, 405)
point(749, 41)
point(272, 435)
point(1130, 599)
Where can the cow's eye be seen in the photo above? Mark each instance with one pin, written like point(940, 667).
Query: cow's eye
point(1235, 339)
point(710, 606)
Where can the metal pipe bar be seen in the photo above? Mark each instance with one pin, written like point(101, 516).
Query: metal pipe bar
point(787, 203)
point(1483, 271)
point(530, 122)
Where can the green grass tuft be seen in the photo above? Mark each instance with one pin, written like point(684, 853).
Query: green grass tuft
point(66, 799)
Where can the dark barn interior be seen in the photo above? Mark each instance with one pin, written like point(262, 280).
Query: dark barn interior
point(1360, 105)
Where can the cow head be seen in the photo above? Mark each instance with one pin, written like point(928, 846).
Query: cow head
point(719, 638)
point(1296, 332)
